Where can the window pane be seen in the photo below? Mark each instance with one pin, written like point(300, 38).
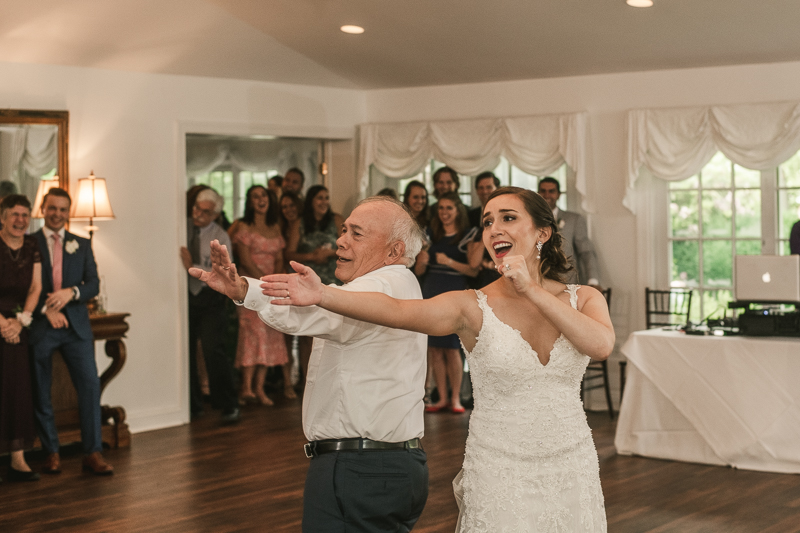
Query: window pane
point(748, 213)
point(784, 248)
point(717, 271)
point(789, 172)
point(526, 181)
point(717, 213)
point(789, 211)
point(715, 303)
point(502, 172)
point(717, 173)
point(746, 178)
point(748, 247)
point(685, 269)
point(688, 183)
point(683, 211)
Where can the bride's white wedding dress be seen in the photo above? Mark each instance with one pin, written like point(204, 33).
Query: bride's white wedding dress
point(530, 462)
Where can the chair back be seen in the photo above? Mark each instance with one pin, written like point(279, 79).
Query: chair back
point(667, 308)
point(607, 295)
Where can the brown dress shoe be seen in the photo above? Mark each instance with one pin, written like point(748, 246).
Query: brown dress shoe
point(52, 465)
point(95, 464)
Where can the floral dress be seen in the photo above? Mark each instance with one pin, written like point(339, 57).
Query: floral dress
point(258, 343)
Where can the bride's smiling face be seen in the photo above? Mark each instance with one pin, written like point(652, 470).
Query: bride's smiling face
point(508, 229)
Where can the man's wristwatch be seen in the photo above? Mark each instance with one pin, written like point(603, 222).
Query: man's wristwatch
point(74, 293)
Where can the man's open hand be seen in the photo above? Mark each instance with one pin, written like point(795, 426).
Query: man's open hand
point(223, 276)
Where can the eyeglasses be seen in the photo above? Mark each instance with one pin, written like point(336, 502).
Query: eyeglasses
point(205, 212)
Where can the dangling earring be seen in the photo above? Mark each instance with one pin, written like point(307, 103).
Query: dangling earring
point(539, 249)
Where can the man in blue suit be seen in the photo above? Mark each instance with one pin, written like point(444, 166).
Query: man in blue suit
point(61, 321)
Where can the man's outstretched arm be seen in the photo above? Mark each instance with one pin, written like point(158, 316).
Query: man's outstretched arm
point(223, 276)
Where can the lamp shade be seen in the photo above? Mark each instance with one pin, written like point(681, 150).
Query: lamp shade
point(44, 187)
point(92, 200)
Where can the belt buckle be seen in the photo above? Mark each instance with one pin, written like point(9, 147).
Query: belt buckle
point(309, 450)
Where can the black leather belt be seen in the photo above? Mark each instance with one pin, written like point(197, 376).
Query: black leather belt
point(318, 447)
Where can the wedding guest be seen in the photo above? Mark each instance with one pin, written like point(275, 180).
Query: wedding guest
point(293, 181)
point(415, 198)
point(207, 318)
point(445, 180)
point(794, 239)
point(314, 245)
point(291, 207)
point(478, 256)
point(20, 286)
point(259, 246)
point(275, 184)
point(388, 191)
point(7, 188)
point(61, 321)
point(446, 269)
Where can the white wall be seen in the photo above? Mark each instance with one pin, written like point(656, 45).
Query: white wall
point(128, 128)
point(606, 98)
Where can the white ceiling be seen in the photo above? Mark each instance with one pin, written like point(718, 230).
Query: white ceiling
point(407, 42)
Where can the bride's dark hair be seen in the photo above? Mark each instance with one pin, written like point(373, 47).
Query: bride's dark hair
point(554, 262)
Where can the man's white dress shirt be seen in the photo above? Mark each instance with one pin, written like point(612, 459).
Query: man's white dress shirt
point(363, 380)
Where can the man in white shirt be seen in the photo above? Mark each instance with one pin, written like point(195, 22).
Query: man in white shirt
point(363, 401)
point(576, 244)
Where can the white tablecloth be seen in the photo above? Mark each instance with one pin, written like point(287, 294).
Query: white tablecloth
point(715, 400)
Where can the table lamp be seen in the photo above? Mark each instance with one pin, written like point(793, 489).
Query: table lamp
point(92, 202)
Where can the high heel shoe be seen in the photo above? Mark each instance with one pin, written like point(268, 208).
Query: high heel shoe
point(263, 399)
point(436, 408)
point(244, 399)
point(289, 393)
point(21, 475)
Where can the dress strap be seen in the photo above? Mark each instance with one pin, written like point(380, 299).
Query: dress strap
point(572, 289)
point(482, 299)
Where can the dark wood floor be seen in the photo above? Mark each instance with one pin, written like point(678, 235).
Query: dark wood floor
point(249, 477)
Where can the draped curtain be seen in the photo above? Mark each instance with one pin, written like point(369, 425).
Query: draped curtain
point(205, 155)
point(674, 144)
point(537, 145)
point(32, 152)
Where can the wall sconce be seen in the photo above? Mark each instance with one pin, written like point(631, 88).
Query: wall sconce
point(44, 188)
point(92, 202)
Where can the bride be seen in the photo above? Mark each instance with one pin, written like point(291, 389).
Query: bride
point(530, 462)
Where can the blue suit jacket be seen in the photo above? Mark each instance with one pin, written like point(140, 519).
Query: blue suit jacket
point(78, 270)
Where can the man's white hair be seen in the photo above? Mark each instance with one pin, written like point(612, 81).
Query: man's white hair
point(404, 228)
point(210, 195)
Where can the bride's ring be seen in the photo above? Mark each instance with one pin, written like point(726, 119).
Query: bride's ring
point(226, 268)
point(506, 267)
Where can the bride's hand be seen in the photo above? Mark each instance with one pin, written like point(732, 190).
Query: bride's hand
point(516, 270)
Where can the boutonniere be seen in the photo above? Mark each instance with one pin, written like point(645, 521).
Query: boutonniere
point(562, 223)
point(71, 246)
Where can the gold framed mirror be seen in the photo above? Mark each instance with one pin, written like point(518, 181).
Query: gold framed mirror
point(34, 145)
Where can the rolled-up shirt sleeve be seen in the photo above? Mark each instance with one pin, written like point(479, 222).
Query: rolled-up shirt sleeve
point(311, 321)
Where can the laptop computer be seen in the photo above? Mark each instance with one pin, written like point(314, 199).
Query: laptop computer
point(767, 278)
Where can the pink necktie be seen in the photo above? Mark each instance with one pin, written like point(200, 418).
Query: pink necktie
point(57, 261)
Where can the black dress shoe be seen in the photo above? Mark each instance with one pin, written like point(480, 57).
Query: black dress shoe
point(19, 475)
point(231, 415)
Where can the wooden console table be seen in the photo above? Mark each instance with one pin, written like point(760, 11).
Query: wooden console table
point(110, 327)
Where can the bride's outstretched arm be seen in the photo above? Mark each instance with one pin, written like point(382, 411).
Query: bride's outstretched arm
point(589, 329)
point(438, 316)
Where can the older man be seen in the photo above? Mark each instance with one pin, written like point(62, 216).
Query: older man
point(207, 317)
point(363, 402)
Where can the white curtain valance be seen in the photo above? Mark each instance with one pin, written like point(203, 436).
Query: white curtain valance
point(537, 145)
point(674, 144)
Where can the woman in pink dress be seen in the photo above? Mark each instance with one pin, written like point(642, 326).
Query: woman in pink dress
point(259, 247)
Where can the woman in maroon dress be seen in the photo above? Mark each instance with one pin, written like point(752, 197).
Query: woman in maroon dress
point(20, 284)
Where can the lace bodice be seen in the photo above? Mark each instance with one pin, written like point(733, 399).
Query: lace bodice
point(530, 463)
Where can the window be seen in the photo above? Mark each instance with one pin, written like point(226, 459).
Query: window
point(788, 201)
point(505, 172)
point(724, 211)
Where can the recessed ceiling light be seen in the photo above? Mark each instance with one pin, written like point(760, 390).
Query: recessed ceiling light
point(355, 30)
point(639, 3)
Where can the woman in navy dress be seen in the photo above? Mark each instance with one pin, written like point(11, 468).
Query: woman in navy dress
point(446, 269)
point(20, 285)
